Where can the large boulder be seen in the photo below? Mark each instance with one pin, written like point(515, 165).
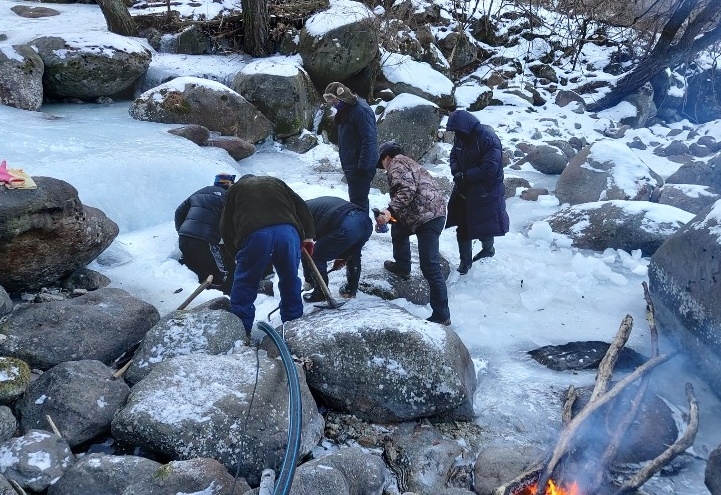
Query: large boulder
point(604, 171)
point(389, 369)
point(15, 376)
point(339, 42)
point(193, 100)
point(35, 460)
point(47, 233)
point(699, 173)
point(689, 197)
point(200, 476)
point(21, 77)
point(80, 396)
point(84, 67)
point(686, 288)
point(200, 406)
point(99, 325)
point(405, 75)
point(282, 90)
point(626, 225)
point(703, 103)
point(101, 474)
point(712, 477)
point(186, 332)
point(412, 122)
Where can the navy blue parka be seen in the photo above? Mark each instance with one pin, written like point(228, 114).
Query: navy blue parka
point(480, 196)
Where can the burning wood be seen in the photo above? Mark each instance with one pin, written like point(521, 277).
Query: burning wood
point(548, 479)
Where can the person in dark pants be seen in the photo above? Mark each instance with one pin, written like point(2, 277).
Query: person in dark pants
point(264, 222)
point(342, 229)
point(357, 141)
point(197, 221)
point(478, 203)
point(417, 207)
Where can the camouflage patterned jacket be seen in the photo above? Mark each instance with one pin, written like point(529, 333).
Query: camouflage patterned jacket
point(415, 195)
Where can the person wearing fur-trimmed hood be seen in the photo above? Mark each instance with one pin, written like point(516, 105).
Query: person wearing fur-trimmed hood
point(477, 204)
point(357, 141)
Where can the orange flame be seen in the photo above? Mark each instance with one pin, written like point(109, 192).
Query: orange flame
point(553, 489)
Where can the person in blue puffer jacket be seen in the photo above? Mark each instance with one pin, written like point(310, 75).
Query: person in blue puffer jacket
point(197, 221)
point(357, 141)
point(478, 203)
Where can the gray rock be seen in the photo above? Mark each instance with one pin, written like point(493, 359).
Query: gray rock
point(81, 397)
point(19, 459)
point(8, 425)
point(713, 472)
point(547, 159)
point(196, 133)
point(412, 122)
point(683, 281)
point(511, 185)
point(688, 197)
point(15, 379)
point(642, 100)
point(84, 278)
point(282, 90)
point(100, 325)
point(564, 97)
point(186, 332)
point(337, 54)
point(192, 100)
point(301, 143)
point(544, 71)
point(6, 304)
point(21, 77)
point(197, 406)
point(533, 193)
point(199, 475)
point(390, 369)
point(348, 471)
point(700, 173)
point(101, 474)
point(34, 12)
point(237, 148)
point(498, 464)
point(52, 211)
point(75, 68)
point(606, 170)
point(618, 224)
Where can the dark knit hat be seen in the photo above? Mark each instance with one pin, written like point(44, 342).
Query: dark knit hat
point(224, 180)
point(389, 148)
point(340, 91)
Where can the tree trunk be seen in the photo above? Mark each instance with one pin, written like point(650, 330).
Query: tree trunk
point(256, 28)
point(118, 18)
point(666, 53)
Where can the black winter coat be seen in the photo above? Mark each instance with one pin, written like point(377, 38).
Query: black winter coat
point(357, 138)
point(477, 153)
point(199, 215)
point(329, 212)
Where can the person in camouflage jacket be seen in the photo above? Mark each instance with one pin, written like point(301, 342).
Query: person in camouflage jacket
point(418, 207)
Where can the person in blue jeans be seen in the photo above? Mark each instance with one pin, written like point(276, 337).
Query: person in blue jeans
point(417, 207)
point(357, 141)
point(342, 229)
point(264, 222)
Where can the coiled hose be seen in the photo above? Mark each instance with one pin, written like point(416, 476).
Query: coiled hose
point(295, 407)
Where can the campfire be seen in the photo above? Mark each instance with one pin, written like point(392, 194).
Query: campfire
point(552, 474)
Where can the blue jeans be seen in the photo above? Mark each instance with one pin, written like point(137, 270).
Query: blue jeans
point(428, 235)
point(359, 185)
point(344, 242)
point(276, 244)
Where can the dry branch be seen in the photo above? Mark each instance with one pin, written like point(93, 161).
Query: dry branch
point(122, 370)
point(571, 396)
point(52, 425)
point(565, 437)
point(676, 448)
point(651, 318)
point(17, 487)
point(605, 368)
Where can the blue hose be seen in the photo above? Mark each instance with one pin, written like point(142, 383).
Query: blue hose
point(287, 470)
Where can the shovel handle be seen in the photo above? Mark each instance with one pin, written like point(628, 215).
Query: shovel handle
point(197, 291)
point(319, 279)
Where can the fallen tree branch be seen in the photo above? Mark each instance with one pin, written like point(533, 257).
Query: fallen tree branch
point(565, 437)
point(17, 487)
point(651, 318)
point(676, 448)
point(52, 425)
point(605, 368)
point(122, 370)
point(571, 396)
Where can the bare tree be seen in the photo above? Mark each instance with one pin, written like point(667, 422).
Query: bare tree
point(118, 18)
point(256, 28)
point(692, 26)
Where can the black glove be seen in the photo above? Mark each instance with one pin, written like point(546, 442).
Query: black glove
point(459, 178)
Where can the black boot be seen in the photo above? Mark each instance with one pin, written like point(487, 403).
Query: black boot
point(488, 250)
point(465, 250)
point(353, 272)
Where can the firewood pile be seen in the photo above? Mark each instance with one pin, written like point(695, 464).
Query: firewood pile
point(554, 473)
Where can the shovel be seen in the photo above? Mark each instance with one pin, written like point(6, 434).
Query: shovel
point(332, 303)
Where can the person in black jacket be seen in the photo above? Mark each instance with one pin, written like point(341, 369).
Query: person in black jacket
point(197, 221)
point(264, 221)
point(341, 230)
point(478, 203)
point(357, 141)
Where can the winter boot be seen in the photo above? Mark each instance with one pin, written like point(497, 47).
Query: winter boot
point(465, 250)
point(392, 267)
point(350, 288)
point(488, 250)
